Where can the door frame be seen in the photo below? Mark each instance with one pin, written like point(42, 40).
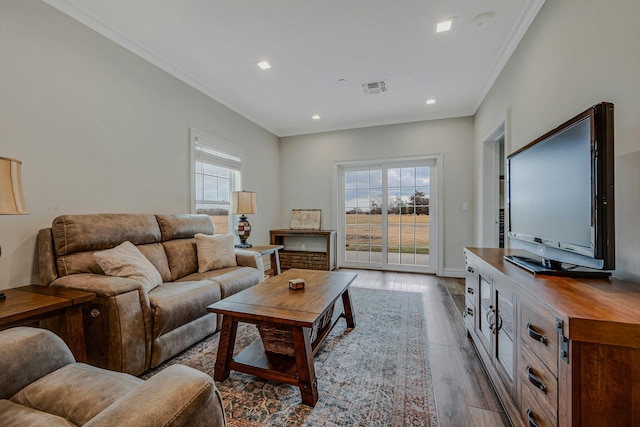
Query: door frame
point(436, 262)
point(489, 192)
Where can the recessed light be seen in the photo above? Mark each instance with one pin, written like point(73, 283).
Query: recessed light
point(264, 65)
point(431, 101)
point(445, 25)
point(315, 117)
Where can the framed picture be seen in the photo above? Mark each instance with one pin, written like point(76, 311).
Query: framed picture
point(305, 219)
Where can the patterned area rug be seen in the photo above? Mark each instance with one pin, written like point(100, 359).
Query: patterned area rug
point(377, 374)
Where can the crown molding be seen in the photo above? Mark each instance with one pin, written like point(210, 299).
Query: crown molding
point(519, 30)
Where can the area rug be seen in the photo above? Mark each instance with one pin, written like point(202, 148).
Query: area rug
point(377, 374)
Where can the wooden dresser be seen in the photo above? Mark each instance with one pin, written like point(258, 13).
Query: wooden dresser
point(560, 351)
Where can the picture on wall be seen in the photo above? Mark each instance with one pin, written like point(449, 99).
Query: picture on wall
point(305, 219)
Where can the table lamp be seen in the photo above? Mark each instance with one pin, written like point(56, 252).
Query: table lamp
point(243, 203)
point(11, 196)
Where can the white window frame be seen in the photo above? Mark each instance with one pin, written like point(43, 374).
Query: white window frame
point(230, 156)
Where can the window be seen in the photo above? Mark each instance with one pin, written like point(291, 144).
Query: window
point(217, 169)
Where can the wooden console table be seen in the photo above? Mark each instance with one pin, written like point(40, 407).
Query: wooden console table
point(27, 305)
point(306, 249)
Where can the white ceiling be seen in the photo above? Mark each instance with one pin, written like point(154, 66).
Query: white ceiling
point(214, 46)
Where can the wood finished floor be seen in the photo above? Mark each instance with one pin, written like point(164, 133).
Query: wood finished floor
point(463, 392)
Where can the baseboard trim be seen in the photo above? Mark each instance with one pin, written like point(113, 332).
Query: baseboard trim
point(453, 272)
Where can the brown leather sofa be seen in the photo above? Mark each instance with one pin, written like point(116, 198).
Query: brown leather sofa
point(43, 386)
point(128, 329)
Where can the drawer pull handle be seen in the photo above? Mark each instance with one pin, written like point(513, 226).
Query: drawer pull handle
point(490, 314)
point(532, 421)
point(470, 291)
point(491, 319)
point(533, 379)
point(536, 336)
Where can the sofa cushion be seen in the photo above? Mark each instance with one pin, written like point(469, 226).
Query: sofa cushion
point(84, 262)
point(92, 232)
point(230, 279)
point(14, 415)
point(182, 257)
point(175, 304)
point(158, 257)
point(81, 392)
point(215, 251)
point(184, 226)
point(126, 260)
point(173, 342)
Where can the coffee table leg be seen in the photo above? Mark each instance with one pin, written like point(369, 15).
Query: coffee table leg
point(304, 363)
point(225, 348)
point(348, 311)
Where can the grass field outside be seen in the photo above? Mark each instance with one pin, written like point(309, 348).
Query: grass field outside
point(406, 233)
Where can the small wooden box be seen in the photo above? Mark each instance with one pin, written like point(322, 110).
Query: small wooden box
point(296, 283)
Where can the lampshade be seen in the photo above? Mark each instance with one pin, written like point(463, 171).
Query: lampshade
point(243, 202)
point(11, 196)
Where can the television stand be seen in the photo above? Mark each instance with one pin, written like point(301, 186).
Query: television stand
point(559, 351)
point(553, 268)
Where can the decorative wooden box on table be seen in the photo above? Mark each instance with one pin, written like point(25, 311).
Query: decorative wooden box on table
point(560, 351)
point(308, 249)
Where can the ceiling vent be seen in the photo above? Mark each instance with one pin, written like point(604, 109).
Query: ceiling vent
point(373, 88)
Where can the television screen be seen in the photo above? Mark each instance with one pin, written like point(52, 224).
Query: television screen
point(552, 182)
point(560, 193)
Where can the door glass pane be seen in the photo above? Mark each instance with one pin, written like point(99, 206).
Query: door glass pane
point(486, 311)
point(504, 327)
point(408, 220)
point(363, 198)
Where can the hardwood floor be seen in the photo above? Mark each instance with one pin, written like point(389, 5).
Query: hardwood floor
point(464, 395)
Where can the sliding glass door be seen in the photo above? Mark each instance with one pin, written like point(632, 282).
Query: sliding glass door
point(386, 211)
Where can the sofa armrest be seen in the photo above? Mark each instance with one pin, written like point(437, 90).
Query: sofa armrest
point(117, 323)
point(46, 257)
point(246, 258)
point(177, 396)
point(101, 285)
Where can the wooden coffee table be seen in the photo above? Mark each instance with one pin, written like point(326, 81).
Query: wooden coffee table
point(272, 303)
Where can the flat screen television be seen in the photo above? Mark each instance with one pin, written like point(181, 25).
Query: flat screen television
point(560, 197)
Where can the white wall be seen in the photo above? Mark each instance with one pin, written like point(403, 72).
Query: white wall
point(307, 174)
point(577, 54)
point(100, 130)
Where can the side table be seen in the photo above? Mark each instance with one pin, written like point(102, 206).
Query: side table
point(27, 305)
point(270, 250)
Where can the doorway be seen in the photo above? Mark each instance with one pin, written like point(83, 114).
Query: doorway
point(387, 213)
point(494, 217)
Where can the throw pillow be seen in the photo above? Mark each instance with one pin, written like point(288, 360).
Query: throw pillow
point(215, 251)
point(125, 260)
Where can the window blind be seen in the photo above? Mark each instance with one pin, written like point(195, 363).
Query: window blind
point(218, 153)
